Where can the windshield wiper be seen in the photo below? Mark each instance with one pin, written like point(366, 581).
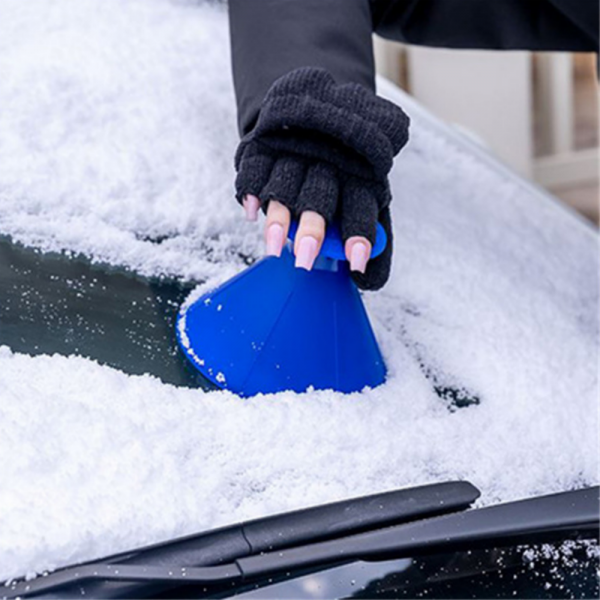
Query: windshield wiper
point(555, 517)
point(535, 520)
point(161, 566)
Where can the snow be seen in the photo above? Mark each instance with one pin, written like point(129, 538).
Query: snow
point(117, 132)
point(85, 82)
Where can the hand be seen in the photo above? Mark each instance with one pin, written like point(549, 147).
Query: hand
point(320, 152)
point(310, 236)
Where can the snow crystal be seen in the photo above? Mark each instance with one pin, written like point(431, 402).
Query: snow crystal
point(117, 133)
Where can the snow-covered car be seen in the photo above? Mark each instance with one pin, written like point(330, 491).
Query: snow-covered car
point(117, 134)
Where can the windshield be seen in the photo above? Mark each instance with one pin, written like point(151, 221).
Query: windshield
point(561, 571)
point(54, 304)
point(567, 570)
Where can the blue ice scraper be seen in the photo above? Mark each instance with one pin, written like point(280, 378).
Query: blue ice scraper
point(274, 327)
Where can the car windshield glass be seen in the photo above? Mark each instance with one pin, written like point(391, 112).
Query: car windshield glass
point(567, 570)
point(53, 303)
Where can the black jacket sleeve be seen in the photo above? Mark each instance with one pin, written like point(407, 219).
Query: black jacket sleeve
point(270, 38)
point(557, 25)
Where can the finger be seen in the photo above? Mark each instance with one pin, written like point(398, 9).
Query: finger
point(254, 170)
point(320, 191)
point(276, 227)
point(358, 251)
point(284, 182)
point(359, 211)
point(251, 205)
point(309, 239)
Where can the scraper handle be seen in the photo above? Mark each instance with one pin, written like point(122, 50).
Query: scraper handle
point(333, 245)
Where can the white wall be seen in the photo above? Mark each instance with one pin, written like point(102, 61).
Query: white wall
point(489, 93)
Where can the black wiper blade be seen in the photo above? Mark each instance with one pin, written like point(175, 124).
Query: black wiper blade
point(544, 518)
point(185, 559)
point(126, 573)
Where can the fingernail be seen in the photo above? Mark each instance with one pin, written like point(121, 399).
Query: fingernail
point(359, 255)
point(251, 204)
point(274, 239)
point(307, 252)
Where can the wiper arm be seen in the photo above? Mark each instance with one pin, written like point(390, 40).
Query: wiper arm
point(544, 518)
point(182, 560)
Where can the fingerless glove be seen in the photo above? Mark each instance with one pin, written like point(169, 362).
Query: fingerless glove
point(328, 148)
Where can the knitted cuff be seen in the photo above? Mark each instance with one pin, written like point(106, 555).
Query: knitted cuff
point(308, 100)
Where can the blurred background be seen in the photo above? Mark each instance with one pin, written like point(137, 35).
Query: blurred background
point(537, 112)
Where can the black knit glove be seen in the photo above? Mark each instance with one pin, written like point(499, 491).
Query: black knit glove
point(328, 148)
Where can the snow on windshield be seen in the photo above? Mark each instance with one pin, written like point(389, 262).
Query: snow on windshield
point(117, 130)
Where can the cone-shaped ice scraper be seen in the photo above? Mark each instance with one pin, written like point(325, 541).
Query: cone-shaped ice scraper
point(275, 327)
